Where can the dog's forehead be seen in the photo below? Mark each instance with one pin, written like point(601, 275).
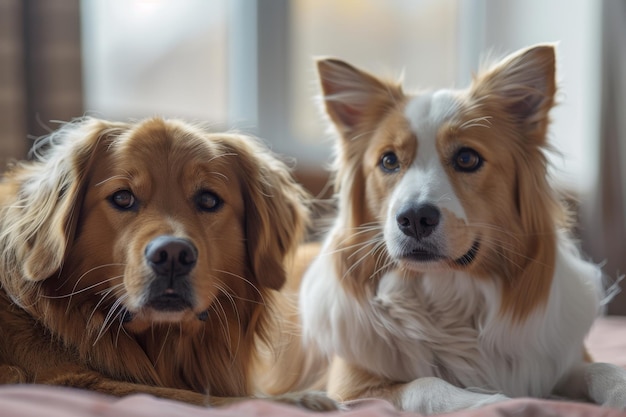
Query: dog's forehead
point(426, 179)
point(159, 142)
point(173, 153)
point(426, 113)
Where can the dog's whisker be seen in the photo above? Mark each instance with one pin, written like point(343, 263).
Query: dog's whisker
point(73, 292)
point(69, 295)
point(375, 241)
point(247, 281)
point(380, 269)
point(108, 319)
point(361, 259)
point(381, 249)
point(121, 320)
point(236, 310)
point(120, 327)
point(223, 320)
point(226, 289)
point(345, 248)
point(103, 297)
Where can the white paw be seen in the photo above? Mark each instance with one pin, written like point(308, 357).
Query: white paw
point(432, 395)
point(615, 398)
point(607, 384)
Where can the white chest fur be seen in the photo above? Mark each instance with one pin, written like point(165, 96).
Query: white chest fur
point(450, 325)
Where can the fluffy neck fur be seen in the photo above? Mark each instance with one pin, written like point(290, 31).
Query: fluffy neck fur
point(214, 356)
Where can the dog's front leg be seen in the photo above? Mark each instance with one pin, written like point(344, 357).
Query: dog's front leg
point(602, 383)
point(428, 395)
point(433, 395)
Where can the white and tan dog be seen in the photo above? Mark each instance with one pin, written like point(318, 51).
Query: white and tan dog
point(448, 279)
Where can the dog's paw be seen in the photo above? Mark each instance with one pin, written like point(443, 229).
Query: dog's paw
point(606, 384)
point(310, 400)
point(615, 398)
point(431, 395)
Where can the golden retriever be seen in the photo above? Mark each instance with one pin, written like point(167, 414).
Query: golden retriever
point(142, 257)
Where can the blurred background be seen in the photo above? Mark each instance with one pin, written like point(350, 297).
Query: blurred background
point(249, 64)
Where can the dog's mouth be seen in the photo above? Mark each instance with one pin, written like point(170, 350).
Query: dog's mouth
point(426, 254)
point(423, 254)
point(469, 256)
point(128, 316)
point(169, 302)
point(167, 305)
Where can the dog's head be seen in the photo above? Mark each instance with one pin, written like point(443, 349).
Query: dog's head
point(449, 179)
point(148, 222)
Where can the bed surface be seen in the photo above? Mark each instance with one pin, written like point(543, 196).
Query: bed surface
point(606, 343)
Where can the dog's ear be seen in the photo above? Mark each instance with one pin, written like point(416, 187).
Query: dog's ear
point(524, 84)
point(276, 209)
point(39, 215)
point(352, 97)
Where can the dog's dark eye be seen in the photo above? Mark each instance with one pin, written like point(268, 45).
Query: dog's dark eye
point(208, 201)
point(467, 160)
point(123, 200)
point(389, 162)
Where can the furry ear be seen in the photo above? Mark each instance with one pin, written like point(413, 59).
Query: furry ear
point(524, 84)
point(353, 97)
point(39, 216)
point(276, 210)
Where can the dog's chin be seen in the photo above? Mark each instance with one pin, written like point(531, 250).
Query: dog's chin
point(160, 316)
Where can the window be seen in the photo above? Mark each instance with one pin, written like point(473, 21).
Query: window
point(147, 57)
point(249, 64)
point(417, 38)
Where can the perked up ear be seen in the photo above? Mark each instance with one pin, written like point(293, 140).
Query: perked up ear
point(39, 211)
point(353, 97)
point(277, 211)
point(524, 85)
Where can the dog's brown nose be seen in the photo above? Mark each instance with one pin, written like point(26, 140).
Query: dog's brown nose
point(418, 221)
point(172, 256)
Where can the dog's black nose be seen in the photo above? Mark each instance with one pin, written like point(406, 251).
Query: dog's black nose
point(418, 221)
point(168, 255)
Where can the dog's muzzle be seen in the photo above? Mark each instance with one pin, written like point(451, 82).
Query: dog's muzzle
point(172, 260)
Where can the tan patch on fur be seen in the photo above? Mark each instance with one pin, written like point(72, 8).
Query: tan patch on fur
point(460, 237)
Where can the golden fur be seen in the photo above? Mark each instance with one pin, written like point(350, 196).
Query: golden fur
point(77, 302)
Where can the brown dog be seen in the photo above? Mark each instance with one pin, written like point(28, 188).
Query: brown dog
point(142, 258)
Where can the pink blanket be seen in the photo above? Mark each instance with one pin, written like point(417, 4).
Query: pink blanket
point(606, 342)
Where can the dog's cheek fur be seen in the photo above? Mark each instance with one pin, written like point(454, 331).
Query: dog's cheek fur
point(520, 93)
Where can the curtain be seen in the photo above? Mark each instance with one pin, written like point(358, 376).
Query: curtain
point(40, 70)
point(603, 214)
